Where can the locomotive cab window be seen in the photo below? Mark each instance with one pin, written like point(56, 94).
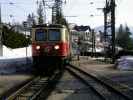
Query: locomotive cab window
point(40, 35)
point(54, 35)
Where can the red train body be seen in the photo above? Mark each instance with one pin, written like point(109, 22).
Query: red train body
point(50, 49)
point(50, 45)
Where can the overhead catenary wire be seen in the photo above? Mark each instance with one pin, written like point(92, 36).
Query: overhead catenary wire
point(14, 7)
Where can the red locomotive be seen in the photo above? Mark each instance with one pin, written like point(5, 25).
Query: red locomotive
point(50, 46)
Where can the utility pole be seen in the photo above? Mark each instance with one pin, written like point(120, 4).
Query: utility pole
point(113, 29)
point(45, 16)
point(93, 42)
point(1, 44)
point(56, 11)
point(54, 15)
point(109, 27)
point(25, 27)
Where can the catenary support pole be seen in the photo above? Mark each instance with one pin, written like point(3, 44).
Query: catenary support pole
point(1, 44)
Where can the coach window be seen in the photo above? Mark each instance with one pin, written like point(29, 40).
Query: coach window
point(54, 35)
point(40, 35)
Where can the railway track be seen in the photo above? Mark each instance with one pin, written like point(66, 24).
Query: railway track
point(37, 89)
point(41, 87)
point(101, 89)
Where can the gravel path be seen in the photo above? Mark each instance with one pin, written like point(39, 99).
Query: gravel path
point(14, 72)
point(70, 88)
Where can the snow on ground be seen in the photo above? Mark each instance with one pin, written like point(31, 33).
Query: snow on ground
point(125, 63)
point(15, 53)
point(15, 60)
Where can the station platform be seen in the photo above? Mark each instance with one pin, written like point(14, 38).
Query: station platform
point(109, 71)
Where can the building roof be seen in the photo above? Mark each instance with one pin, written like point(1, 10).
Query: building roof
point(82, 28)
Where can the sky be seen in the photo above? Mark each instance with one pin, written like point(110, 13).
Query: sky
point(81, 9)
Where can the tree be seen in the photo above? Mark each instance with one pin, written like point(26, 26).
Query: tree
point(31, 20)
point(61, 19)
point(40, 14)
point(14, 39)
point(123, 38)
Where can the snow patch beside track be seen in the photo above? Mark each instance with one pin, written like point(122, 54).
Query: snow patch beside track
point(125, 63)
point(15, 60)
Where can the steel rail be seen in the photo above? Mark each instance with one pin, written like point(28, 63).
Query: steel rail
point(19, 91)
point(98, 80)
point(7, 93)
point(35, 89)
point(86, 83)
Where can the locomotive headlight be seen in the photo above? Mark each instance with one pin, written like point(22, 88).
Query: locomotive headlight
point(56, 47)
point(38, 47)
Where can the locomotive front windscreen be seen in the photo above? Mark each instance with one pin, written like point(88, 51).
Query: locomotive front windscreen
point(54, 35)
point(40, 35)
